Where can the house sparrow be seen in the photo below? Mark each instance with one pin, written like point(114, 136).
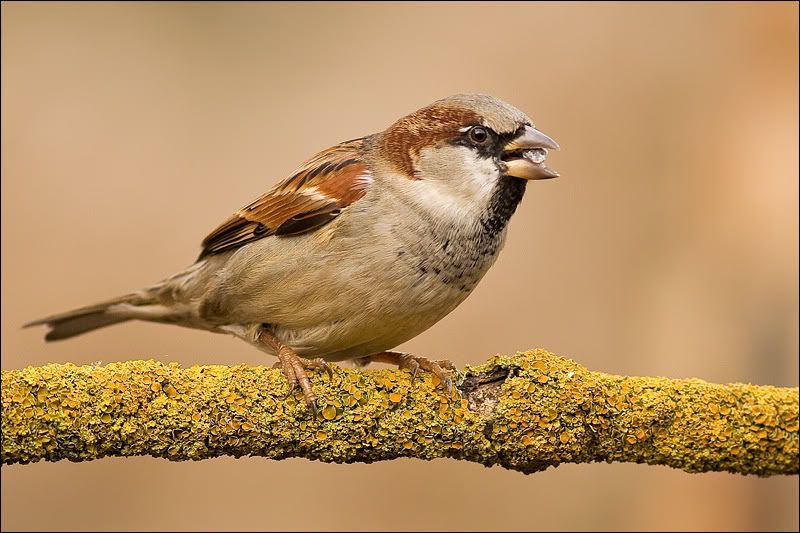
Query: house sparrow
point(365, 246)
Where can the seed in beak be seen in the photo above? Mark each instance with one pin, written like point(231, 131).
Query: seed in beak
point(535, 155)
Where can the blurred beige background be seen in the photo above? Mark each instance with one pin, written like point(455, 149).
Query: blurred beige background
point(668, 247)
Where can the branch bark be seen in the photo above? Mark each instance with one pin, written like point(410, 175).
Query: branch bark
point(524, 412)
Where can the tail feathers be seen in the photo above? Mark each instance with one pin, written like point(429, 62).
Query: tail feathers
point(77, 321)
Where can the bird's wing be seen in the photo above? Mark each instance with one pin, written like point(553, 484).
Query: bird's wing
point(310, 198)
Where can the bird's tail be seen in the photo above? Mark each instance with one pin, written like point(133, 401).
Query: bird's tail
point(78, 321)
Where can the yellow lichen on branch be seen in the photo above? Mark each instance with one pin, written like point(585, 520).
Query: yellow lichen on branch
point(524, 412)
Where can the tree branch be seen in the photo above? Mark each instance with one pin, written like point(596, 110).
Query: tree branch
point(525, 412)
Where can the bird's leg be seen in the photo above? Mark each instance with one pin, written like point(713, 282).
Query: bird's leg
point(412, 362)
point(294, 366)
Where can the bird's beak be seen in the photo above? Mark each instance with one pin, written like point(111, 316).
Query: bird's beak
point(525, 154)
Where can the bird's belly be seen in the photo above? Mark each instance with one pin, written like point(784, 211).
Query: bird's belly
point(360, 324)
point(377, 308)
point(327, 295)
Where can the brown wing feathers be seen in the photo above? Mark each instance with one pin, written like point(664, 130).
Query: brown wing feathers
point(310, 198)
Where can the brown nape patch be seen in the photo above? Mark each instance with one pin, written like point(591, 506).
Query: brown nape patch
point(429, 126)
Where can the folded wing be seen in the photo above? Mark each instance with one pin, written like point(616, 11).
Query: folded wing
point(310, 198)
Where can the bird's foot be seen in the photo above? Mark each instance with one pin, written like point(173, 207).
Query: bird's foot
point(440, 369)
point(294, 368)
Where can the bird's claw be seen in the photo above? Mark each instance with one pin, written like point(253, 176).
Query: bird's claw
point(447, 381)
point(294, 368)
point(414, 373)
point(324, 365)
point(312, 405)
point(290, 391)
point(413, 363)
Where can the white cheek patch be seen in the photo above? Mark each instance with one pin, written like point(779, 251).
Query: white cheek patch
point(455, 179)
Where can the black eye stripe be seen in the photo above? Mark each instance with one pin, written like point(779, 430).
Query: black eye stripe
point(488, 148)
point(491, 148)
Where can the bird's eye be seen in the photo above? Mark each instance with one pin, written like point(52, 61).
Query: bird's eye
point(478, 135)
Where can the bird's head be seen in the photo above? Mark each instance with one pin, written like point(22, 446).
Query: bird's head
point(464, 145)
